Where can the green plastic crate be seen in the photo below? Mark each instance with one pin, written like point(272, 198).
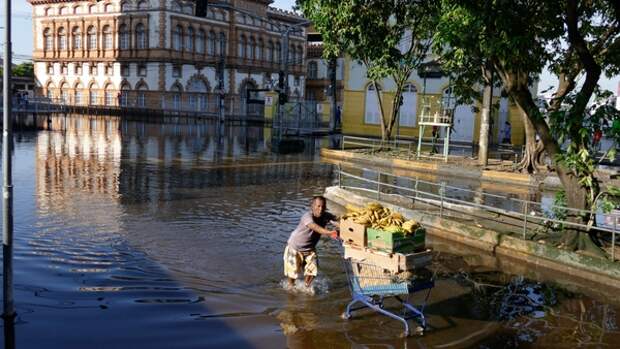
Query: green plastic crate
point(382, 240)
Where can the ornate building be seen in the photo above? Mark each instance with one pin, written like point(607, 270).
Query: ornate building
point(163, 54)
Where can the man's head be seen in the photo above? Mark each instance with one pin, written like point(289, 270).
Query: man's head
point(317, 205)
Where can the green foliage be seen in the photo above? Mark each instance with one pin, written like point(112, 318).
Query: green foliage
point(24, 69)
point(558, 210)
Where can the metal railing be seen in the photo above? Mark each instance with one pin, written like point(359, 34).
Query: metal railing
point(376, 144)
point(450, 197)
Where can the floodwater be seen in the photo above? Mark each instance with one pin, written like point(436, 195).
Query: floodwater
point(171, 236)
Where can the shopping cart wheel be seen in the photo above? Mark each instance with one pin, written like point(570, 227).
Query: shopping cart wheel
point(345, 316)
point(419, 330)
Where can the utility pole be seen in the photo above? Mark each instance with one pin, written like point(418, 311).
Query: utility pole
point(222, 66)
point(7, 188)
point(333, 67)
point(485, 117)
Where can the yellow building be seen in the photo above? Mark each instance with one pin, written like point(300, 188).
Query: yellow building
point(361, 115)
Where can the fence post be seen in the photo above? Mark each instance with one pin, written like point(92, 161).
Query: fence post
point(441, 204)
point(613, 241)
point(378, 184)
point(339, 177)
point(525, 219)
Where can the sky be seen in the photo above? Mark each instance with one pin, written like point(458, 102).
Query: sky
point(22, 41)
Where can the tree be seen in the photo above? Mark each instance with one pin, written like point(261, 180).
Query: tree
point(576, 40)
point(25, 69)
point(391, 38)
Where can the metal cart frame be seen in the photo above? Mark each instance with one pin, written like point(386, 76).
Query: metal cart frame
point(370, 286)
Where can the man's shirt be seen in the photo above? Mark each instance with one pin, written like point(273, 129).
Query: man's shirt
point(304, 239)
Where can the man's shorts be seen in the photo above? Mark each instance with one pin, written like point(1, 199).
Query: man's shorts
point(295, 262)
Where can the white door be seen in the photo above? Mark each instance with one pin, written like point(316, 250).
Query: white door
point(409, 107)
point(372, 113)
point(503, 117)
point(463, 124)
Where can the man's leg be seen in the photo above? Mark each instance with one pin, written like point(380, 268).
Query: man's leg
point(310, 268)
point(291, 282)
point(308, 280)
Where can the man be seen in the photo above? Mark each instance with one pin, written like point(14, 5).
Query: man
point(300, 254)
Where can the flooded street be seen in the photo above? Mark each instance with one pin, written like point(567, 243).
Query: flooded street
point(130, 234)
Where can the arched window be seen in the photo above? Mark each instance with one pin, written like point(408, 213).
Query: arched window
point(241, 47)
point(313, 70)
point(278, 54)
point(62, 39)
point(77, 9)
point(408, 109)
point(221, 50)
point(141, 98)
point(143, 5)
point(125, 6)
point(124, 95)
point(108, 8)
point(372, 114)
point(200, 41)
point(189, 39)
point(92, 9)
point(176, 38)
point(123, 37)
point(107, 38)
point(211, 44)
point(76, 36)
point(270, 51)
point(176, 97)
point(64, 10)
point(78, 97)
point(260, 50)
point(93, 97)
point(48, 43)
point(175, 6)
point(291, 55)
point(251, 48)
point(140, 36)
point(109, 95)
point(92, 38)
point(49, 12)
point(197, 90)
point(64, 93)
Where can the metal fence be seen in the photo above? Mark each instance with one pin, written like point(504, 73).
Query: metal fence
point(408, 146)
point(446, 197)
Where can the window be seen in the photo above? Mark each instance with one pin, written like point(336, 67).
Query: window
point(313, 70)
point(241, 47)
point(300, 55)
point(142, 70)
point(291, 55)
point(125, 6)
point(175, 6)
point(177, 34)
point(109, 95)
point(49, 12)
point(64, 10)
point(125, 70)
point(296, 81)
point(50, 69)
point(93, 69)
point(50, 94)
point(251, 45)
point(222, 48)
point(278, 52)
point(143, 5)
point(77, 10)
point(211, 44)
point(107, 38)
point(64, 93)
point(176, 71)
point(372, 114)
point(123, 37)
point(260, 50)
point(124, 100)
point(92, 38)
point(62, 39)
point(140, 36)
point(189, 39)
point(78, 69)
point(141, 95)
point(78, 98)
point(64, 69)
point(92, 97)
point(77, 38)
point(270, 51)
point(47, 40)
point(200, 41)
point(409, 106)
point(108, 8)
point(92, 9)
point(109, 70)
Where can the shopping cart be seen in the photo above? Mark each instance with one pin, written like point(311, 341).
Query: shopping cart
point(370, 285)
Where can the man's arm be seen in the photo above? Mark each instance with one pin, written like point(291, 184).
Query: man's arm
point(318, 229)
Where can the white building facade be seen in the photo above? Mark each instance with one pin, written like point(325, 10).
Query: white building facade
point(163, 54)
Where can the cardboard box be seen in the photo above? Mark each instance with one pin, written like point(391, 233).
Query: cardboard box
point(353, 233)
point(394, 262)
point(391, 242)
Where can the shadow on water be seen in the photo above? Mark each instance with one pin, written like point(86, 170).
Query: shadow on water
point(151, 235)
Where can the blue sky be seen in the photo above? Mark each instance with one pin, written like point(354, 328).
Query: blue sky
point(22, 40)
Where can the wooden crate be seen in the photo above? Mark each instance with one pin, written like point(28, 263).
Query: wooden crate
point(352, 233)
point(394, 262)
point(390, 242)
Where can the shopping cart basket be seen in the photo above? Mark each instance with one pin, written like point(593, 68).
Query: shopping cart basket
point(370, 285)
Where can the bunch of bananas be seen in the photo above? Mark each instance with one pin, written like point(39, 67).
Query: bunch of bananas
point(378, 217)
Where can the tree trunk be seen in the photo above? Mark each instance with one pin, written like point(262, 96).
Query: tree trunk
point(384, 132)
point(485, 117)
point(531, 162)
